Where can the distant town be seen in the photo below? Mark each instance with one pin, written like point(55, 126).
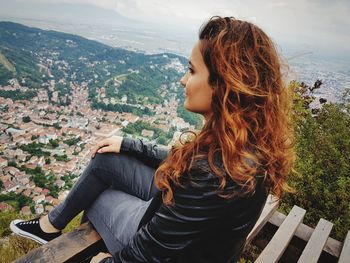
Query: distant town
point(26, 122)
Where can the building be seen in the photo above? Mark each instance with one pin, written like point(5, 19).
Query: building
point(3, 162)
point(147, 133)
point(25, 210)
point(39, 198)
point(60, 183)
point(4, 206)
point(39, 209)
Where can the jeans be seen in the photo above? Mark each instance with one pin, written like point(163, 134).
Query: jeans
point(106, 171)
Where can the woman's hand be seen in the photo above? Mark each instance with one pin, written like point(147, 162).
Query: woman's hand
point(99, 257)
point(111, 144)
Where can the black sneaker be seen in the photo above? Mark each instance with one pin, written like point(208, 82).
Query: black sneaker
point(31, 229)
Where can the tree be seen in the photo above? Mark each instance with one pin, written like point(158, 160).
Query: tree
point(54, 143)
point(323, 162)
point(26, 119)
point(57, 125)
point(162, 140)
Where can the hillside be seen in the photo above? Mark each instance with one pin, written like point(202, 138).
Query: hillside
point(54, 60)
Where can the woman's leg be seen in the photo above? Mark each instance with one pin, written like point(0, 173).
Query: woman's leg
point(119, 171)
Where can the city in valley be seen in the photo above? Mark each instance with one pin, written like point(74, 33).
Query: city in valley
point(35, 121)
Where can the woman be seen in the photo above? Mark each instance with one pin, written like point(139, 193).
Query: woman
point(199, 201)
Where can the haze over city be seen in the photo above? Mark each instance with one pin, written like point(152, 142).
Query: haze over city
point(297, 26)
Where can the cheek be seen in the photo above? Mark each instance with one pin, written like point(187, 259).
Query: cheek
point(194, 85)
point(199, 95)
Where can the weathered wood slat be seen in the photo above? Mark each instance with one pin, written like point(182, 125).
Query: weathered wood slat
point(279, 242)
point(314, 247)
point(268, 210)
point(304, 232)
point(345, 253)
point(65, 247)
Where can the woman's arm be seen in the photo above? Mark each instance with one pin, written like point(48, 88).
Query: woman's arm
point(152, 154)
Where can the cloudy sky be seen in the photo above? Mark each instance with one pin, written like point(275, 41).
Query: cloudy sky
point(319, 25)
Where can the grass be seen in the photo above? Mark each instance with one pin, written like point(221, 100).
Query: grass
point(7, 64)
point(13, 247)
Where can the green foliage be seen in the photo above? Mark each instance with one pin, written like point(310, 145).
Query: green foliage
point(142, 78)
point(4, 108)
point(121, 108)
point(72, 141)
point(75, 222)
point(36, 170)
point(5, 218)
point(17, 95)
point(54, 143)
point(17, 246)
point(46, 181)
point(11, 163)
point(64, 91)
point(171, 132)
point(137, 127)
point(40, 180)
point(26, 119)
point(68, 179)
point(323, 163)
point(145, 83)
point(54, 190)
point(34, 149)
point(162, 140)
point(190, 117)
point(57, 126)
point(61, 158)
point(24, 61)
point(16, 200)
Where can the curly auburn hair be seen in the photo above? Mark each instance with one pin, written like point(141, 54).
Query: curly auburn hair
point(251, 113)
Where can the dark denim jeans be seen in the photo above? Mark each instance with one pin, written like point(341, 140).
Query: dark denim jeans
point(104, 172)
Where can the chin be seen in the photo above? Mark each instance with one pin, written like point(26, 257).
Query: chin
point(186, 106)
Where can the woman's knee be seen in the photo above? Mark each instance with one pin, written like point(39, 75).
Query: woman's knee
point(108, 160)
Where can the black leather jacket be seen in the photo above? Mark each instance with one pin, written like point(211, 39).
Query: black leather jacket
point(202, 227)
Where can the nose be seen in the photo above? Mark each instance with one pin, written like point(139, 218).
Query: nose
point(183, 80)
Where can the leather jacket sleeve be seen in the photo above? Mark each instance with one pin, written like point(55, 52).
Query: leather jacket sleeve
point(152, 154)
point(107, 260)
point(198, 211)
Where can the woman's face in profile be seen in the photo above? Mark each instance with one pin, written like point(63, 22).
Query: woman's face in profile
point(198, 92)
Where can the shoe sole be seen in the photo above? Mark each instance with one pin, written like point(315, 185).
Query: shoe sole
point(23, 233)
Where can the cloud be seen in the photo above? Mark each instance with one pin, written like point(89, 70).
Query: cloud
point(315, 22)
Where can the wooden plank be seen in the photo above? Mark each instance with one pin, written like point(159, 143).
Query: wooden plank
point(345, 253)
point(64, 247)
point(314, 247)
point(279, 242)
point(270, 207)
point(304, 232)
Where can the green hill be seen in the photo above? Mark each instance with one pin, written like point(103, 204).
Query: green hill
point(36, 56)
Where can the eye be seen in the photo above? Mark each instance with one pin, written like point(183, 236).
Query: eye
point(190, 70)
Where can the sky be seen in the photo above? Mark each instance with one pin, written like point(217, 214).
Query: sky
point(321, 26)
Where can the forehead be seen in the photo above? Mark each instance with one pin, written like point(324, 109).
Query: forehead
point(196, 55)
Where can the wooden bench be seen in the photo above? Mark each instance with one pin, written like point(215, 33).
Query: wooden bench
point(84, 242)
